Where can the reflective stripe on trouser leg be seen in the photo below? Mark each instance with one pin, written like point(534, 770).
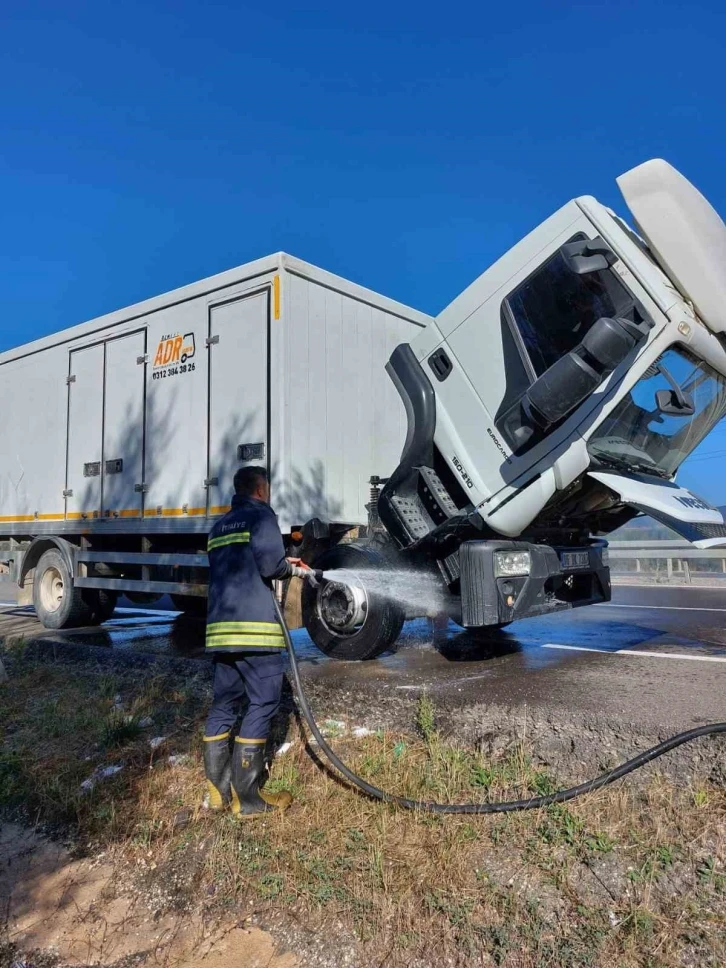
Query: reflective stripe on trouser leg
point(240, 636)
point(262, 676)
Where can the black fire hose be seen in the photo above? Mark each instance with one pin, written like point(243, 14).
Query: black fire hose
point(507, 806)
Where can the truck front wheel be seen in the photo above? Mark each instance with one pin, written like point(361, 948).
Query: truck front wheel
point(344, 617)
point(58, 603)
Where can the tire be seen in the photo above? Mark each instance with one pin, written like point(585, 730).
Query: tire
point(192, 605)
point(102, 603)
point(494, 636)
point(143, 598)
point(483, 631)
point(58, 603)
point(383, 618)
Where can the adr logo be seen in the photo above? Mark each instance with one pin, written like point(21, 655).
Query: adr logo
point(175, 349)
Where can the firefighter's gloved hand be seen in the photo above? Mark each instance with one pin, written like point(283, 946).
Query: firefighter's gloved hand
point(300, 571)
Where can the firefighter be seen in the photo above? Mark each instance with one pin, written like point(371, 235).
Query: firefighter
point(245, 640)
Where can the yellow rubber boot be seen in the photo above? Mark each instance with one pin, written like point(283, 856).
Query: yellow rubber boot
point(248, 770)
point(218, 770)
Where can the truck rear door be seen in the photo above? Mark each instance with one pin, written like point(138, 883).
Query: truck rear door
point(85, 433)
point(123, 426)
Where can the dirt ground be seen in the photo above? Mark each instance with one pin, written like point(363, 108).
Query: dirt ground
point(107, 858)
point(73, 911)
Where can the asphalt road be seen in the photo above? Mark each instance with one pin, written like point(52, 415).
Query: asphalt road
point(654, 656)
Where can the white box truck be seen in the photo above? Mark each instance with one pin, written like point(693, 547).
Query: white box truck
point(120, 437)
point(552, 401)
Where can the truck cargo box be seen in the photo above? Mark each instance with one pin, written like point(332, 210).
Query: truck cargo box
point(136, 421)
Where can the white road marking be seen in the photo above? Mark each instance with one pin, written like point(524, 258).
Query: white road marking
point(653, 655)
point(668, 608)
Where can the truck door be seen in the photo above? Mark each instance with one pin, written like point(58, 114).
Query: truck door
point(105, 455)
point(85, 433)
point(123, 426)
point(535, 306)
point(238, 392)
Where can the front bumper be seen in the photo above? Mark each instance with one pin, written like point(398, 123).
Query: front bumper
point(549, 587)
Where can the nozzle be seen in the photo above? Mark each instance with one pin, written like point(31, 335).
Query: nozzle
point(315, 577)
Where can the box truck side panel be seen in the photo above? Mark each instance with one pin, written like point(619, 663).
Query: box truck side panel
point(344, 419)
point(33, 438)
point(176, 412)
point(153, 423)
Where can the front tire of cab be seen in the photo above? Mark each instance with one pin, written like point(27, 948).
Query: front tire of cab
point(345, 619)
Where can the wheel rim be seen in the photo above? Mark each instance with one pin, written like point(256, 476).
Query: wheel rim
point(342, 607)
point(51, 589)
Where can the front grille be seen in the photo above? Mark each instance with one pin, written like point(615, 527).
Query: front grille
point(690, 530)
point(711, 530)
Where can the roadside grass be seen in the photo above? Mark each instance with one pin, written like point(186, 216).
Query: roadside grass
point(634, 875)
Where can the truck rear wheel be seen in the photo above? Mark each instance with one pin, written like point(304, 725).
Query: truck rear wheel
point(195, 606)
point(345, 619)
point(143, 599)
point(102, 603)
point(58, 603)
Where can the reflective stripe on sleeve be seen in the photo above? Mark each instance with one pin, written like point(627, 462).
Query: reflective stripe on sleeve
point(238, 537)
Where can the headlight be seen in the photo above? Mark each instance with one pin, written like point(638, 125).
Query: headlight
point(507, 564)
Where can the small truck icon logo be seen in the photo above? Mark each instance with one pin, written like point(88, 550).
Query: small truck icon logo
point(175, 349)
point(188, 347)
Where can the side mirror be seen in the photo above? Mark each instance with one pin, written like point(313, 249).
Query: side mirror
point(668, 402)
point(587, 255)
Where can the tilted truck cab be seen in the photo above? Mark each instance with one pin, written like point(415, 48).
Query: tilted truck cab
point(557, 397)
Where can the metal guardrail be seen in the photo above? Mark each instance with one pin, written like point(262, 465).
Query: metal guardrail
point(677, 555)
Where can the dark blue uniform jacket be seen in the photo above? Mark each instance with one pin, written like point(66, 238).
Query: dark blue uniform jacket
point(246, 553)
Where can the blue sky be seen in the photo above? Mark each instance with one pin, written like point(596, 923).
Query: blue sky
point(404, 146)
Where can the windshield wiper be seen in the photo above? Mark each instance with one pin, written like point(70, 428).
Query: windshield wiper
point(628, 464)
point(648, 469)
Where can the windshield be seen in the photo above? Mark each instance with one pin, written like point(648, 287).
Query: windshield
point(665, 416)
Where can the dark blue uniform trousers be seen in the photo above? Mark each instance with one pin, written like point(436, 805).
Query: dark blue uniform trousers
point(256, 675)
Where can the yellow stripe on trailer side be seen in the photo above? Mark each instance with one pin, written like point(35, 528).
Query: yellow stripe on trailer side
point(276, 297)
